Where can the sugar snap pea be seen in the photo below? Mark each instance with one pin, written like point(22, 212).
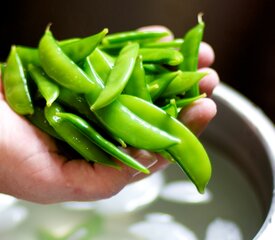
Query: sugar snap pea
point(107, 90)
point(75, 138)
point(92, 74)
point(107, 146)
point(102, 63)
point(183, 82)
point(189, 153)
point(15, 85)
point(161, 55)
point(158, 86)
point(137, 36)
point(2, 69)
point(135, 131)
point(48, 89)
point(176, 43)
point(118, 76)
point(77, 50)
point(77, 103)
point(39, 120)
point(136, 85)
point(28, 55)
point(61, 68)
point(190, 50)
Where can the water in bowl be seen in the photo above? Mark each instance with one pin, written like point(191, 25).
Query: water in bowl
point(163, 206)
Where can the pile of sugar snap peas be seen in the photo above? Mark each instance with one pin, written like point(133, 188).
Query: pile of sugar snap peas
point(104, 92)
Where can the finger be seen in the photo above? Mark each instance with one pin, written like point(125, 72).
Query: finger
point(90, 183)
point(206, 55)
point(209, 82)
point(197, 116)
point(155, 162)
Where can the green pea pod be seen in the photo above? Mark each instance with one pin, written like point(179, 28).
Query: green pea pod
point(102, 63)
point(151, 68)
point(167, 56)
point(28, 55)
point(76, 102)
point(182, 83)
point(68, 41)
point(48, 89)
point(75, 138)
point(92, 74)
point(76, 49)
point(189, 153)
point(61, 68)
point(136, 85)
point(190, 51)
point(122, 123)
point(107, 146)
point(79, 50)
point(182, 103)
point(175, 43)
point(38, 119)
point(15, 85)
point(158, 86)
point(118, 76)
point(2, 70)
point(171, 108)
point(137, 36)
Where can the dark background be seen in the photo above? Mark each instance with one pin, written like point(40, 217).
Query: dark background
point(241, 32)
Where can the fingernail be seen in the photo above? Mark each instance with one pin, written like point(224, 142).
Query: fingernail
point(146, 158)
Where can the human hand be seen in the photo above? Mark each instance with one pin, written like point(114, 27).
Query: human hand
point(32, 168)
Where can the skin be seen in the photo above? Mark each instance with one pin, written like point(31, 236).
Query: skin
point(31, 167)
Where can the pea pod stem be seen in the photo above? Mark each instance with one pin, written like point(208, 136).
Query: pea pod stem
point(184, 102)
point(171, 108)
point(190, 51)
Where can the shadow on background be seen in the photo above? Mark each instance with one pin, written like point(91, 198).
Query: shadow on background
point(240, 31)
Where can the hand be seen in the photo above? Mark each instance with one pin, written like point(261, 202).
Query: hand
point(31, 167)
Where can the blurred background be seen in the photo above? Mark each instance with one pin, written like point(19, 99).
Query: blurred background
point(241, 32)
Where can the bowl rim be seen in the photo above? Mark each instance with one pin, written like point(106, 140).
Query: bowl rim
point(265, 131)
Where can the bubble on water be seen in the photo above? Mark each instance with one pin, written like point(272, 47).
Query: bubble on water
point(79, 205)
point(162, 226)
point(223, 229)
point(6, 201)
point(184, 192)
point(12, 217)
point(133, 196)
